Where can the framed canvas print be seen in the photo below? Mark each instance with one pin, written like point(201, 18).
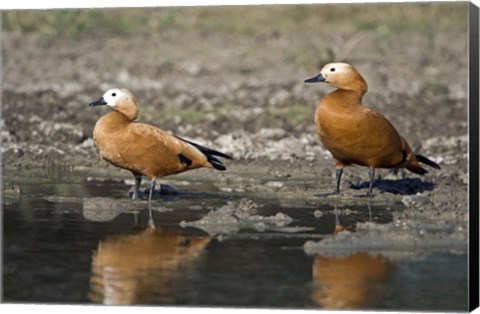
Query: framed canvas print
point(290, 156)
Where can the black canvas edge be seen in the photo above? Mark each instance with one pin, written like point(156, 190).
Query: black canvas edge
point(1, 164)
point(473, 155)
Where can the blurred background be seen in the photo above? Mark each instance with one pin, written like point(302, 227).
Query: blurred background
point(231, 77)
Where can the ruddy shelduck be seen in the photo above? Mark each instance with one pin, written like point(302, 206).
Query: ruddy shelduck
point(355, 134)
point(143, 149)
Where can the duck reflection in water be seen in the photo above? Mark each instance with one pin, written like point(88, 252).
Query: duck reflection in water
point(348, 282)
point(142, 268)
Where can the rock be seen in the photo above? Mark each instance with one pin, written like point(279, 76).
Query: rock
point(235, 216)
point(11, 189)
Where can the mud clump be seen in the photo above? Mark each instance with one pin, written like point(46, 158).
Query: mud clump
point(11, 189)
point(235, 216)
point(401, 237)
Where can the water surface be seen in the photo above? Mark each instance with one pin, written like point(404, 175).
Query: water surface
point(72, 240)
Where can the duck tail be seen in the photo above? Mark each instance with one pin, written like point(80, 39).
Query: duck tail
point(210, 154)
point(416, 168)
point(427, 161)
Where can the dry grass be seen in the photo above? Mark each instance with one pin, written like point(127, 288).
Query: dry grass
point(385, 19)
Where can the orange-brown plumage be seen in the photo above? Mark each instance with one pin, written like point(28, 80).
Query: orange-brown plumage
point(355, 134)
point(142, 148)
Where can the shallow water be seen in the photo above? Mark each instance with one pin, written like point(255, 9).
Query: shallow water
point(72, 240)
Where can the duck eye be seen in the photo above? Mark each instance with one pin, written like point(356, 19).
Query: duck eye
point(332, 69)
point(114, 94)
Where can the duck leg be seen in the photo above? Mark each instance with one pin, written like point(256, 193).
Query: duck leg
point(151, 223)
point(152, 189)
point(338, 176)
point(138, 180)
point(371, 174)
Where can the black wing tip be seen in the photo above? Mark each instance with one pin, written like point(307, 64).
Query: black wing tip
point(225, 156)
point(210, 154)
point(422, 171)
point(216, 164)
point(417, 170)
point(219, 167)
point(184, 160)
point(207, 151)
point(427, 161)
point(213, 152)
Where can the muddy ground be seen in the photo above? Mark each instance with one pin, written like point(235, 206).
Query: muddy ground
point(236, 86)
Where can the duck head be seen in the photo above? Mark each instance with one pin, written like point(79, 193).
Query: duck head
point(342, 76)
point(121, 100)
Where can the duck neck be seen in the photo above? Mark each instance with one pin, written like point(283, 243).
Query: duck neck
point(355, 87)
point(128, 108)
point(114, 119)
point(129, 113)
point(346, 97)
